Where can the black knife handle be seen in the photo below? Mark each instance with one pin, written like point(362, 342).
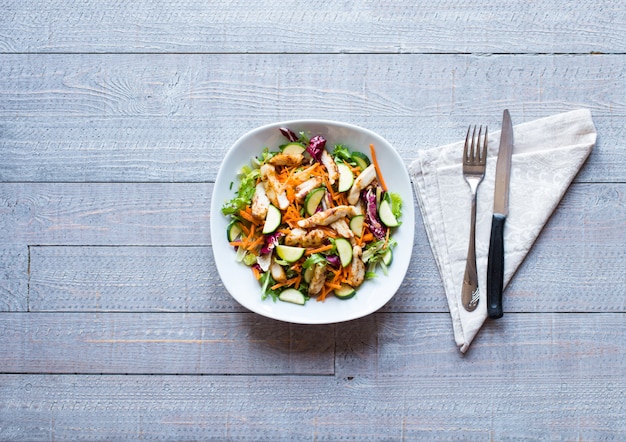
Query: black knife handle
point(495, 267)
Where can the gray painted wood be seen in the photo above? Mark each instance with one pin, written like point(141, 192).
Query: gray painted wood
point(318, 26)
point(172, 117)
point(114, 118)
point(287, 408)
point(174, 343)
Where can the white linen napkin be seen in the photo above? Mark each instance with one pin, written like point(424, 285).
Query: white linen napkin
point(547, 155)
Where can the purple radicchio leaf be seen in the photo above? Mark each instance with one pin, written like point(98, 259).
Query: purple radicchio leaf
point(289, 134)
point(378, 230)
point(271, 241)
point(334, 261)
point(316, 147)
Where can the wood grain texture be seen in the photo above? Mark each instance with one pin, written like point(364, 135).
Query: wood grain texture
point(114, 119)
point(137, 149)
point(104, 214)
point(313, 26)
point(526, 345)
point(171, 118)
point(151, 343)
point(288, 408)
point(224, 86)
point(14, 268)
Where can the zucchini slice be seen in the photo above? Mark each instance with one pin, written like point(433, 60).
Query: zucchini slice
point(360, 159)
point(345, 292)
point(344, 250)
point(386, 214)
point(346, 177)
point(388, 257)
point(233, 231)
point(289, 253)
point(313, 199)
point(272, 219)
point(293, 148)
point(292, 295)
point(356, 225)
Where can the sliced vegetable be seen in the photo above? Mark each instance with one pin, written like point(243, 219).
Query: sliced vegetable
point(344, 250)
point(289, 134)
point(271, 241)
point(313, 199)
point(345, 292)
point(272, 220)
point(346, 177)
point(308, 274)
point(374, 223)
point(290, 253)
point(388, 257)
point(233, 231)
point(316, 147)
point(386, 214)
point(356, 225)
point(293, 148)
point(334, 261)
point(379, 174)
point(360, 159)
point(292, 295)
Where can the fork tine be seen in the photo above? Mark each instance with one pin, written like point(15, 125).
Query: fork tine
point(466, 146)
point(471, 155)
point(483, 156)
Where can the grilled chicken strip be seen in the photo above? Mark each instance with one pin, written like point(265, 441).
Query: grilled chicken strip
point(361, 182)
point(317, 281)
point(273, 187)
point(302, 238)
point(290, 160)
point(303, 189)
point(357, 273)
point(327, 216)
point(331, 167)
point(260, 202)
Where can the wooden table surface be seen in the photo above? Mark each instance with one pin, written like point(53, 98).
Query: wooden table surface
point(114, 119)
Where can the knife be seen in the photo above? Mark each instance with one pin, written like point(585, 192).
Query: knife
point(495, 263)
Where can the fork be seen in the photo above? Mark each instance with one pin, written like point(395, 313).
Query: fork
point(474, 162)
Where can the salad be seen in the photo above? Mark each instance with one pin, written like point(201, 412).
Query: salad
point(311, 221)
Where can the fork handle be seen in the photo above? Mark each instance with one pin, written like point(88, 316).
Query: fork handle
point(495, 267)
point(469, 290)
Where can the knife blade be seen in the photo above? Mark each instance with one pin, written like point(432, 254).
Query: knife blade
point(495, 263)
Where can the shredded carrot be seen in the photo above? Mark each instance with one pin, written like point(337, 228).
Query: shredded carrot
point(247, 215)
point(256, 272)
point(319, 249)
point(256, 243)
point(368, 237)
point(286, 283)
point(377, 167)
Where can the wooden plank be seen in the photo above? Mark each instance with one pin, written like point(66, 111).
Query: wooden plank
point(222, 86)
point(567, 406)
point(105, 214)
point(154, 343)
point(315, 26)
point(13, 278)
point(114, 117)
point(524, 345)
point(173, 279)
point(136, 149)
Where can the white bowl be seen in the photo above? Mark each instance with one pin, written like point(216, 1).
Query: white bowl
point(239, 280)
